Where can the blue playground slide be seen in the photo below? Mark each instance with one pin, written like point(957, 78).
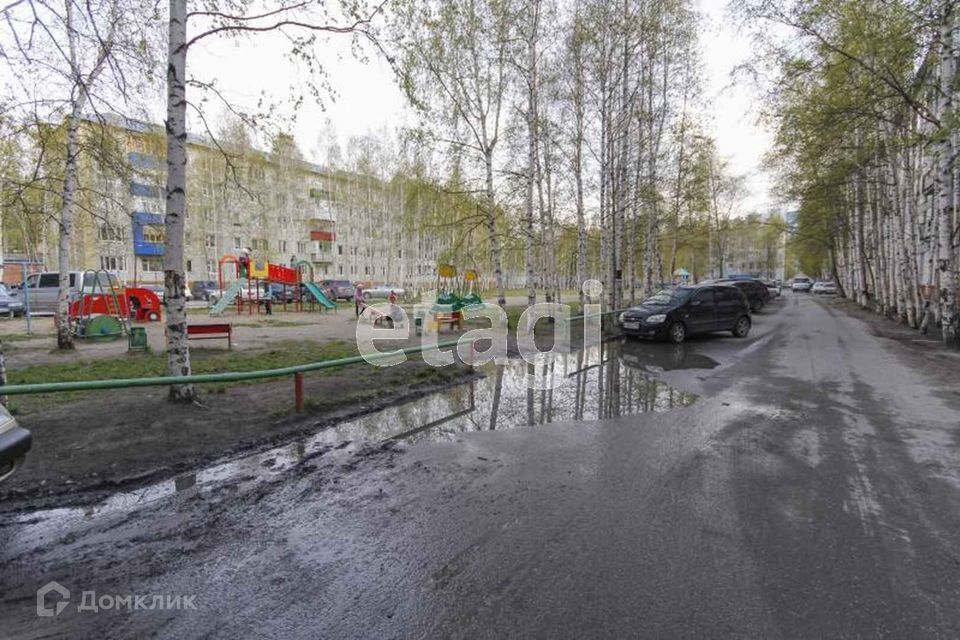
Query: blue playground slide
point(227, 298)
point(319, 295)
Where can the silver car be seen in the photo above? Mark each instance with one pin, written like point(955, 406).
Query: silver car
point(9, 303)
point(15, 442)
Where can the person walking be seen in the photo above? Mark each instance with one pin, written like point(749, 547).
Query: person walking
point(358, 300)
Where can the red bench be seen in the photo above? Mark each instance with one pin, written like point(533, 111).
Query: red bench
point(211, 332)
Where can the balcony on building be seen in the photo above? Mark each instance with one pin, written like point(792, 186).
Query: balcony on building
point(321, 252)
point(322, 236)
point(147, 234)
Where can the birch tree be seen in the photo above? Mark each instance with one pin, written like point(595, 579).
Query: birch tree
point(301, 21)
point(455, 69)
point(72, 62)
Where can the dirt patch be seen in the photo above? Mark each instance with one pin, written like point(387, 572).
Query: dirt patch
point(86, 449)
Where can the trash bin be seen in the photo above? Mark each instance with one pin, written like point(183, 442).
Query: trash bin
point(137, 339)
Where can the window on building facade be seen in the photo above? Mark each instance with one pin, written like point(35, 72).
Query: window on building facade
point(259, 244)
point(189, 265)
point(153, 233)
point(340, 270)
point(112, 263)
point(211, 266)
point(255, 172)
point(399, 253)
point(109, 231)
point(282, 246)
point(211, 241)
point(237, 244)
point(301, 247)
point(339, 249)
point(152, 263)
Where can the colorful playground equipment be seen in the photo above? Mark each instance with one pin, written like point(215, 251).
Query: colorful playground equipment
point(102, 309)
point(453, 295)
point(250, 275)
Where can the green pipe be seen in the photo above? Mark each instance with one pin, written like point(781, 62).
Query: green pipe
point(232, 376)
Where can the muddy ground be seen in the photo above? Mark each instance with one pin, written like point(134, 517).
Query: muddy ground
point(86, 449)
point(87, 446)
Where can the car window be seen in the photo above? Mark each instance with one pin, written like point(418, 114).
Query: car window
point(49, 279)
point(724, 294)
point(668, 297)
point(705, 296)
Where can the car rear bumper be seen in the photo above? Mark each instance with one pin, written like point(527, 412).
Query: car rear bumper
point(14, 444)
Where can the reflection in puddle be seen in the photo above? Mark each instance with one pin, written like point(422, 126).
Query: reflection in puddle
point(606, 381)
point(594, 384)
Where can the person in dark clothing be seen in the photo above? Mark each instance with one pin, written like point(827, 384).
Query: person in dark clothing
point(358, 300)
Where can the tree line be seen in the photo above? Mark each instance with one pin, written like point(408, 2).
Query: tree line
point(575, 132)
point(863, 99)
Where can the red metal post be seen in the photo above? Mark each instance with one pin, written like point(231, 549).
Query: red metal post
point(298, 392)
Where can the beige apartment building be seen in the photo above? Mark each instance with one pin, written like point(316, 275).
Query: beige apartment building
point(347, 225)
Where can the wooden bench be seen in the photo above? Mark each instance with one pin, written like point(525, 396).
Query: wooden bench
point(211, 332)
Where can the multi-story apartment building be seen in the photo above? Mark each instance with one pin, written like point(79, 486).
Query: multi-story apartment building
point(347, 225)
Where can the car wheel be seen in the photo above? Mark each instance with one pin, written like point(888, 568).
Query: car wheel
point(677, 333)
point(742, 327)
point(11, 468)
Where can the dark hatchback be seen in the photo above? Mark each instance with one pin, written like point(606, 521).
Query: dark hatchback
point(758, 295)
point(681, 312)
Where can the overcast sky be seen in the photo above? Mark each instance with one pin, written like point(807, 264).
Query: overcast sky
point(370, 100)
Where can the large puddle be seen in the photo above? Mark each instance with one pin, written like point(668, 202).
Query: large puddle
point(612, 379)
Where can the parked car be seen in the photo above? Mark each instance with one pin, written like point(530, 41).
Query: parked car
point(251, 293)
point(159, 289)
point(774, 288)
point(280, 293)
point(757, 293)
point(801, 283)
point(383, 291)
point(825, 287)
point(203, 289)
point(10, 304)
point(338, 289)
point(43, 289)
point(15, 442)
point(686, 310)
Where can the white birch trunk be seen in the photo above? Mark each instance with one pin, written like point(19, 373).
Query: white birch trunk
point(178, 350)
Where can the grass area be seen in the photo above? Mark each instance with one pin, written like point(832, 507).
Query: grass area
point(23, 337)
point(282, 354)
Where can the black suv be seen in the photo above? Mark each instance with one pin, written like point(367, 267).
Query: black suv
point(677, 313)
point(758, 295)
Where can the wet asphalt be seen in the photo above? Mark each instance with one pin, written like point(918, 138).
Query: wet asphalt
point(812, 490)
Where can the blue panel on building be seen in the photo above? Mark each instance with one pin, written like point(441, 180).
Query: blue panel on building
point(142, 247)
point(144, 190)
point(143, 160)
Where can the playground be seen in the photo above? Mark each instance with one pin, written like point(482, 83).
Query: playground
point(120, 334)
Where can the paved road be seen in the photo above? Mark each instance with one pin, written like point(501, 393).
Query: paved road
point(812, 491)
